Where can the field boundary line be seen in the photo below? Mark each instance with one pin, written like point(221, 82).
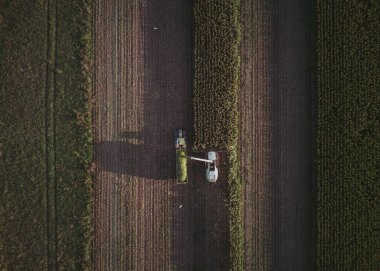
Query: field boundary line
point(55, 133)
point(50, 139)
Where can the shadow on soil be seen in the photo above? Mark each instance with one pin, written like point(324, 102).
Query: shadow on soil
point(147, 160)
point(198, 229)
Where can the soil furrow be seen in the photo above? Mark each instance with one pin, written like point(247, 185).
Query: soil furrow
point(275, 139)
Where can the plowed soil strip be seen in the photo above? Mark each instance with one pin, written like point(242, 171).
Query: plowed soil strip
point(144, 220)
point(275, 115)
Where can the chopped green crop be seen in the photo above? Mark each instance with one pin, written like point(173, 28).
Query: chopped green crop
point(181, 166)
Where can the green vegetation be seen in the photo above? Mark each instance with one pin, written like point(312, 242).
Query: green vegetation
point(235, 186)
point(217, 37)
point(181, 166)
point(73, 134)
point(348, 142)
point(45, 135)
point(22, 136)
point(216, 80)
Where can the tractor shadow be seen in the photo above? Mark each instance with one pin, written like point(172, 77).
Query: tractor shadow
point(149, 161)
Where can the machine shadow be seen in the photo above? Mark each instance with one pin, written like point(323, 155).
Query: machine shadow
point(139, 160)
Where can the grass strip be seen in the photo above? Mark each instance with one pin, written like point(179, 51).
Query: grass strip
point(74, 134)
point(348, 138)
point(215, 101)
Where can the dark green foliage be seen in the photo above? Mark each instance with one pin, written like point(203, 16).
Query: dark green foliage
point(45, 135)
point(22, 136)
point(348, 142)
point(216, 73)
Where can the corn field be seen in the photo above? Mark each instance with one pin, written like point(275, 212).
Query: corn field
point(216, 73)
point(348, 139)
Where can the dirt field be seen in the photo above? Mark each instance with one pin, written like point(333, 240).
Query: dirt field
point(275, 101)
point(144, 220)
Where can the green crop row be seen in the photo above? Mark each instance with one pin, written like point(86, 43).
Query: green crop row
point(235, 209)
point(216, 73)
point(348, 137)
point(45, 135)
point(216, 83)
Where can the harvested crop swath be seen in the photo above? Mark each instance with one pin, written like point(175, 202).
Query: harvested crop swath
point(216, 73)
point(348, 135)
point(216, 84)
point(181, 165)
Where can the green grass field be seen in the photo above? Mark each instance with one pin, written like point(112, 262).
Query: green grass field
point(45, 135)
point(348, 143)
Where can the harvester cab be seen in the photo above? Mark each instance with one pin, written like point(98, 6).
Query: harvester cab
point(210, 163)
point(180, 141)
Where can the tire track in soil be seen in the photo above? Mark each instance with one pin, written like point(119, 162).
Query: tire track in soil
point(144, 220)
point(50, 134)
point(275, 113)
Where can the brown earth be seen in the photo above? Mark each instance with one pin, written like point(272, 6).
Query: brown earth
point(143, 219)
point(276, 145)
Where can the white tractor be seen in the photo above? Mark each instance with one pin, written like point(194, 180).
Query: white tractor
point(210, 162)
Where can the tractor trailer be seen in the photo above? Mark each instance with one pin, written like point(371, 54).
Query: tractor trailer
point(181, 160)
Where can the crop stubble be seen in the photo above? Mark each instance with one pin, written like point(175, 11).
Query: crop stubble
point(275, 135)
point(143, 219)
